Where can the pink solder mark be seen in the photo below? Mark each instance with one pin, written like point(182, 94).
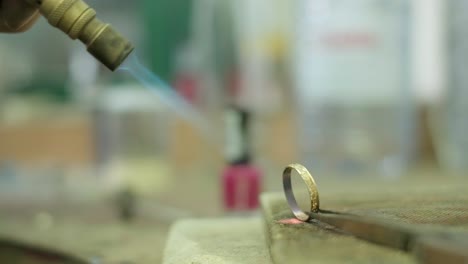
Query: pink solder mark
point(290, 221)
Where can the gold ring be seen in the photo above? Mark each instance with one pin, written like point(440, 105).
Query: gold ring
point(311, 188)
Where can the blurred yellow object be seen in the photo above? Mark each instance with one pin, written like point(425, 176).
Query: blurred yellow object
point(147, 175)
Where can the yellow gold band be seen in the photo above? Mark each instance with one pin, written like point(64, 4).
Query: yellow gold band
point(311, 188)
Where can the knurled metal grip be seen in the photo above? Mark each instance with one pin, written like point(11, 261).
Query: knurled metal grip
point(59, 11)
point(78, 20)
point(82, 21)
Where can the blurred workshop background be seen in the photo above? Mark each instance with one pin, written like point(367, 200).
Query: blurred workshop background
point(350, 88)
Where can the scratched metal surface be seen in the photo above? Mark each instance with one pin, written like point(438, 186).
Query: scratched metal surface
point(430, 204)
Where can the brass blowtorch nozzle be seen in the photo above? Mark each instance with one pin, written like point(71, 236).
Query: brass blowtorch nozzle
point(78, 20)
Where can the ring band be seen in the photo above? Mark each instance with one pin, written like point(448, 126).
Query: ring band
point(311, 187)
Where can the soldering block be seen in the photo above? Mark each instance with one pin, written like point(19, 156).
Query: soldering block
point(292, 241)
point(220, 241)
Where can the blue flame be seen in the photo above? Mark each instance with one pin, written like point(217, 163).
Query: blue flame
point(167, 95)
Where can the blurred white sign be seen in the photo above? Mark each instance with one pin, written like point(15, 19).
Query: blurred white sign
point(350, 52)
